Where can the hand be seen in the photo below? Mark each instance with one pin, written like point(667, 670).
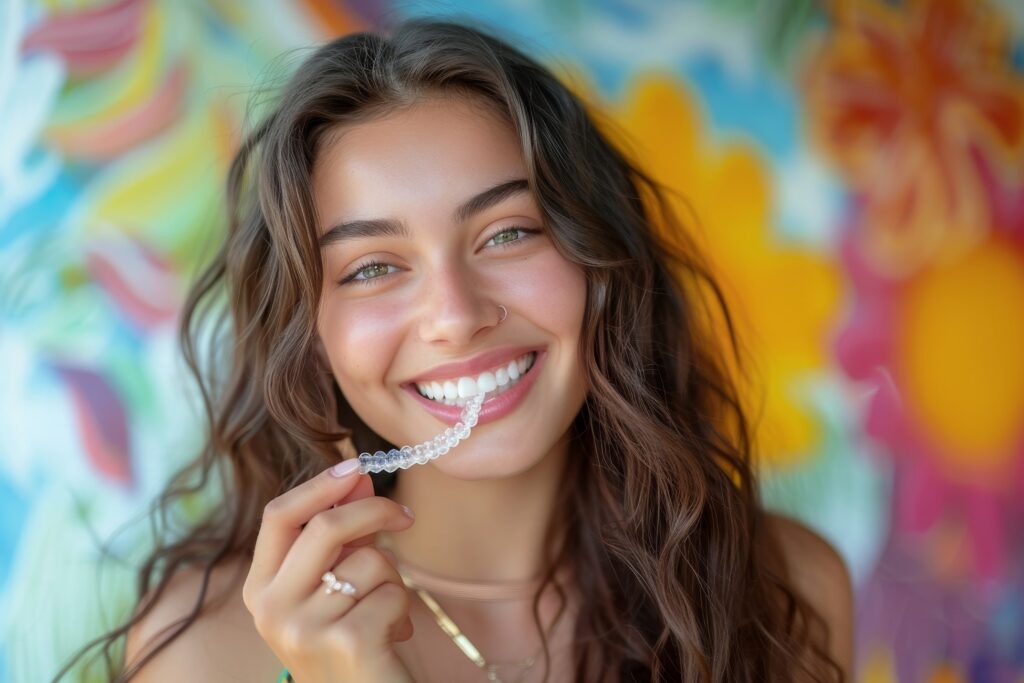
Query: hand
point(328, 524)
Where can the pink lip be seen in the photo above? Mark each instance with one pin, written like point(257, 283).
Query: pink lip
point(493, 408)
point(474, 366)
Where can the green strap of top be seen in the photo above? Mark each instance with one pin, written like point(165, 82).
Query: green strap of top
point(285, 677)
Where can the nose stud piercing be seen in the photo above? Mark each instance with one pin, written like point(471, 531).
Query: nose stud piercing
point(504, 313)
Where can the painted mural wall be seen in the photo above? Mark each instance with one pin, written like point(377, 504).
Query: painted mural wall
point(854, 168)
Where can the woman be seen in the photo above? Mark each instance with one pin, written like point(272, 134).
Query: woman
point(433, 211)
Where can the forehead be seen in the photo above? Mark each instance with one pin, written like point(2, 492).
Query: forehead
point(435, 152)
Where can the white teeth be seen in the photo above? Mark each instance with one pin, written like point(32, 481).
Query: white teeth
point(458, 390)
point(450, 390)
point(467, 387)
point(486, 382)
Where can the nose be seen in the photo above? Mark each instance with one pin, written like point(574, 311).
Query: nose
point(455, 308)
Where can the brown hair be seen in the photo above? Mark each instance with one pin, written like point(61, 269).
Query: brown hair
point(659, 516)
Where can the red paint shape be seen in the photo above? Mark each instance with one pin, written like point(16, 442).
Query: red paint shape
point(89, 40)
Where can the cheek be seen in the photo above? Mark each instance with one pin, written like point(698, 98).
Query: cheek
point(359, 339)
point(552, 292)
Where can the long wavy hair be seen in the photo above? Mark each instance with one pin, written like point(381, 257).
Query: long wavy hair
point(659, 516)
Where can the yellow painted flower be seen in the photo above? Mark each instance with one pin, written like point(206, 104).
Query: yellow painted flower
point(783, 298)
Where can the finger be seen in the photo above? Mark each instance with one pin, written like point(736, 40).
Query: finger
point(370, 539)
point(363, 489)
point(405, 631)
point(284, 516)
point(377, 618)
point(317, 547)
point(365, 569)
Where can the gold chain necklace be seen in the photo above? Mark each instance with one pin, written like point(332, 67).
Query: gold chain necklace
point(463, 643)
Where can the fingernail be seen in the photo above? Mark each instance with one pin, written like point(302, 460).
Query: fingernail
point(408, 512)
point(345, 468)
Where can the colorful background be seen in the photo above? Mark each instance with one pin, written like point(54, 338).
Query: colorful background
point(857, 172)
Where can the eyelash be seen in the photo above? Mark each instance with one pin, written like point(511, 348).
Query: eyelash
point(351, 279)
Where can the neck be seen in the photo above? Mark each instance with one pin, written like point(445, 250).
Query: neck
point(482, 530)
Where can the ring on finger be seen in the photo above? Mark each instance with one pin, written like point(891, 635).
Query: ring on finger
point(333, 585)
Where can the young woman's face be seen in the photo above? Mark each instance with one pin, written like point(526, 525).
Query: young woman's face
point(409, 192)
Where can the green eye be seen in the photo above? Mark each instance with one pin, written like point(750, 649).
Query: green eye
point(504, 237)
point(378, 268)
point(367, 273)
point(505, 233)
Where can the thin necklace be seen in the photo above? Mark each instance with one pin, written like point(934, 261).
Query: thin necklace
point(471, 591)
point(464, 644)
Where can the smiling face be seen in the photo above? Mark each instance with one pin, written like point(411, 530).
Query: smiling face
point(435, 196)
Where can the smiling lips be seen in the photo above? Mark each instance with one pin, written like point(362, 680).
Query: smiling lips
point(457, 390)
point(499, 402)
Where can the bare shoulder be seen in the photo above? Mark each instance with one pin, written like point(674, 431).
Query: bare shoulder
point(821, 577)
point(222, 644)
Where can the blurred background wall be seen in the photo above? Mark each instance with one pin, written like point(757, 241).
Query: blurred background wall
point(857, 172)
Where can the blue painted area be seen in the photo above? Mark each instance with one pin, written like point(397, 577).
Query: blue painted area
point(508, 21)
point(42, 216)
point(624, 14)
point(1017, 55)
point(763, 108)
point(14, 507)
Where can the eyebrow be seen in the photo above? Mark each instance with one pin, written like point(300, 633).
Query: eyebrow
point(385, 227)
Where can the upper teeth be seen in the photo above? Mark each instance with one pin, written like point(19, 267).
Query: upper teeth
point(464, 387)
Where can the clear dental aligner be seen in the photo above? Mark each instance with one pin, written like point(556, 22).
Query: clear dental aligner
point(407, 456)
